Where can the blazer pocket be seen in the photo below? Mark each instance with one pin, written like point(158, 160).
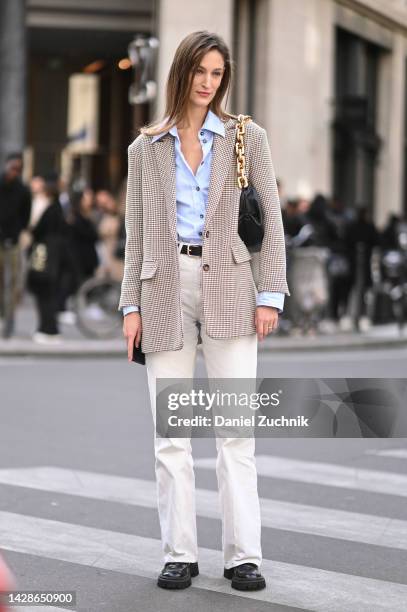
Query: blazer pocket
point(240, 252)
point(148, 268)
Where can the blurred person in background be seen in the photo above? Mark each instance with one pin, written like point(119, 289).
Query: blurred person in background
point(303, 205)
point(325, 235)
point(342, 279)
point(108, 229)
point(80, 258)
point(15, 207)
point(361, 231)
point(83, 235)
point(293, 220)
point(389, 235)
point(49, 235)
point(64, 196)
point(281, 192)
point(341, 216)
point(39, 203)
point(121, 236)
point(39, 199)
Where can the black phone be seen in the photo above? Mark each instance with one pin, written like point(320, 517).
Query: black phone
point(138, 355)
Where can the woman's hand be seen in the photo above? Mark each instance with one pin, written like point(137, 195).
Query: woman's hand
point(132, 331)
point(265, 320)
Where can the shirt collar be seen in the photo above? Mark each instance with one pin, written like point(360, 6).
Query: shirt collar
point(212, 123)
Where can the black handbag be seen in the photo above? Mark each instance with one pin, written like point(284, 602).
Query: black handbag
point(43, 262)
point(251, 218)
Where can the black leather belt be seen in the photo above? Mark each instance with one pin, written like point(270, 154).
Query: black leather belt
point(192, 249)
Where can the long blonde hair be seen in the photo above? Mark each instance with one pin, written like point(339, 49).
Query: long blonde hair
point(186, 60)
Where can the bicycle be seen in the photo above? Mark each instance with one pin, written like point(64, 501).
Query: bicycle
point(95, 305)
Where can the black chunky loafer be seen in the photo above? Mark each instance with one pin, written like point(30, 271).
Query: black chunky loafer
point(177, 575)
point(245, 577)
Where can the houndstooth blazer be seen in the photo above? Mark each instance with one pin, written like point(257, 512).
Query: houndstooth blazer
point(151, 268)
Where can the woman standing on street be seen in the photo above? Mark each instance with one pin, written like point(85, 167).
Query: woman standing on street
point(185, 264)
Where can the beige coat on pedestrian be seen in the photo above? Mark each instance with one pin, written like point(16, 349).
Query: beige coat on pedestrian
point(151, 270)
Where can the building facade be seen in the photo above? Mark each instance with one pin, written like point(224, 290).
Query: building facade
point(326, 78)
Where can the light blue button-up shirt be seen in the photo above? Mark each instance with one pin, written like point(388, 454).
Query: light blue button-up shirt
point(192, 197)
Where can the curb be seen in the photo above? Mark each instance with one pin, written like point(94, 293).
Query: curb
point(101, 349)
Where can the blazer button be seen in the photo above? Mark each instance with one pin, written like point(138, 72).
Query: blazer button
point(207, 234)
point(206, 267)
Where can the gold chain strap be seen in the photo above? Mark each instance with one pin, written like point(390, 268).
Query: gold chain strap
point(240, 153)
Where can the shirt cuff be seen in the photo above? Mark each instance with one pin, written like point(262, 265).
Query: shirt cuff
point(129, 309)
point(271, 298)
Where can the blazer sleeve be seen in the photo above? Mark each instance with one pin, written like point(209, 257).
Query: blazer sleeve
point(272, 265)
point(133, 254)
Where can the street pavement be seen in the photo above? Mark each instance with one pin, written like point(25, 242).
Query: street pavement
point(78, 498)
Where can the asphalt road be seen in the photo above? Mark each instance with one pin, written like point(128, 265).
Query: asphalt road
point(78, 506)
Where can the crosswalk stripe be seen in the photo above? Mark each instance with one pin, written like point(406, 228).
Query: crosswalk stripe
point(288, 584)
point(399, 453)
point(300, 518)
point(327, 474)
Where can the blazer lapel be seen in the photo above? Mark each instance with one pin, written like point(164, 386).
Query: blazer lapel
point(164, 149)
point(222, 158)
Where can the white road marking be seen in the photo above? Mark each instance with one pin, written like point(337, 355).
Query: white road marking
point(399, 453)
point(288, 584)
point(327, 474)
point(300, 518)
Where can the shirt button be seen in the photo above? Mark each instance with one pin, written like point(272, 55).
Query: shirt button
point(200, 233)
point(197, 188)
point(207, 234)
point(201, 133)
point(204, 140)
point(201, 163)
point(201, 216)
point(206, 267)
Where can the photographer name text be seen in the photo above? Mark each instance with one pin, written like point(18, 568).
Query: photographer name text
point(259, 420)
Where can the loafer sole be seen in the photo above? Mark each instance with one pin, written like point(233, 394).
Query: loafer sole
point(241, 584)
point(248, 585)
point(174, 583)
point(179, 583)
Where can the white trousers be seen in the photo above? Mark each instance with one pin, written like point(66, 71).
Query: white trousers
point(235, 465)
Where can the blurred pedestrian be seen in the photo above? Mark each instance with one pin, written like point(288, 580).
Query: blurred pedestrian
point(361, 231)
point(361, 237)
point(341, 215)
point(15, 207)
point(108, 229)
point(49, 234)
point(64, 196)
point(324, 233)
point(293, 220)
point(83, 235)
point(79, 258)
point(121, 236)
point(389, 236)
